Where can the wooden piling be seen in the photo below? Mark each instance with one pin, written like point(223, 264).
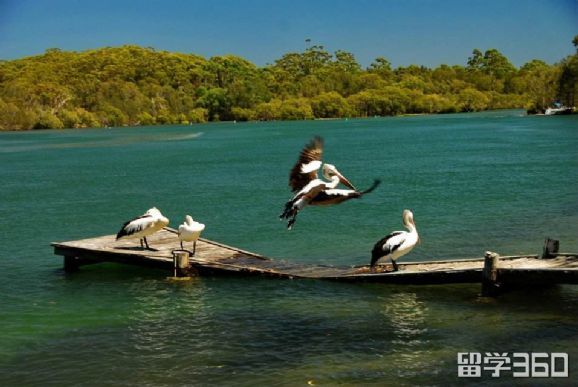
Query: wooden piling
point(70, 264)
point(181, 263)
point(490, 285)
point(551, 248)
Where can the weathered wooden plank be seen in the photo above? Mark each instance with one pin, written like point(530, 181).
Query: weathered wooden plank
point(541, 276)
point(417, 277)
point(86, 257)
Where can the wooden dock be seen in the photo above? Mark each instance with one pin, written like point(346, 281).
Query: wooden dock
point(212, 258)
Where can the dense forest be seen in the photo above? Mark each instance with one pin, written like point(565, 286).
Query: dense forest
point(132, 85)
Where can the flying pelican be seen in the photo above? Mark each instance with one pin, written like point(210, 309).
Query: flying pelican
point(190, 231)
point(146, 224)
point(396, 244)
point(310, 189)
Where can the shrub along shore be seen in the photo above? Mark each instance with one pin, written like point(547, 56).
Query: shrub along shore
point(131, 85)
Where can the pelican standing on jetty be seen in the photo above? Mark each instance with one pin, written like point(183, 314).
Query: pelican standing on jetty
point(147, 224)
point(310, 189)
point(396, 244)
point(190, 231)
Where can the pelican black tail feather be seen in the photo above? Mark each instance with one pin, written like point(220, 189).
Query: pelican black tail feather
point(121, 233)
point(376, 254)
point(380, 249)
point(129, 228)
point(126, 230)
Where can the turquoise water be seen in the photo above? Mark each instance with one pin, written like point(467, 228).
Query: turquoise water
point(496, 181)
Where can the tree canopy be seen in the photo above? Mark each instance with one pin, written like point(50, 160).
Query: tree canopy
point(131, 85)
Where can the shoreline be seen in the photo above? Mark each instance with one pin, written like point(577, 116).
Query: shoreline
point(260, 121)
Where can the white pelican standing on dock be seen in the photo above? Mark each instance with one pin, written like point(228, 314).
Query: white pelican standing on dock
point(310, 189)
point(190, 231)
point(147, 224)
point(396, 244)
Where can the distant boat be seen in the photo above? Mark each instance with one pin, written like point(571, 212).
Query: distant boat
point(558, 110)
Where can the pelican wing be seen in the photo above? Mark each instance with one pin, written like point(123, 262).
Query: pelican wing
point(135, 225)
point(306, 167)
point(334, 196)
point(183, 229)
point(387, 245)
point(197, 227)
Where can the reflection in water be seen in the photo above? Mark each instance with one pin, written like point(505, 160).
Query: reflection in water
point(164, 318)
point(407, 316)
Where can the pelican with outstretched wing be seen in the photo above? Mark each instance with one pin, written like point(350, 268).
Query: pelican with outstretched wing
point(310, 189)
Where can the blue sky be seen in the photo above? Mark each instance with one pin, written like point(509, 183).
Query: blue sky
point(425, 32)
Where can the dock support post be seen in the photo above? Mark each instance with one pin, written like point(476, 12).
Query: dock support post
point(70, 264)
point(551, 248)
point(490, 285)
point(181, 263)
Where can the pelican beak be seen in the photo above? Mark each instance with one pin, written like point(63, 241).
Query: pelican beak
point(344, 180)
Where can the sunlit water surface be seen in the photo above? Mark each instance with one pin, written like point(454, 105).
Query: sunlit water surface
point(496, 181)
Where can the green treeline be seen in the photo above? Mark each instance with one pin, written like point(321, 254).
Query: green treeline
point(132, 85)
